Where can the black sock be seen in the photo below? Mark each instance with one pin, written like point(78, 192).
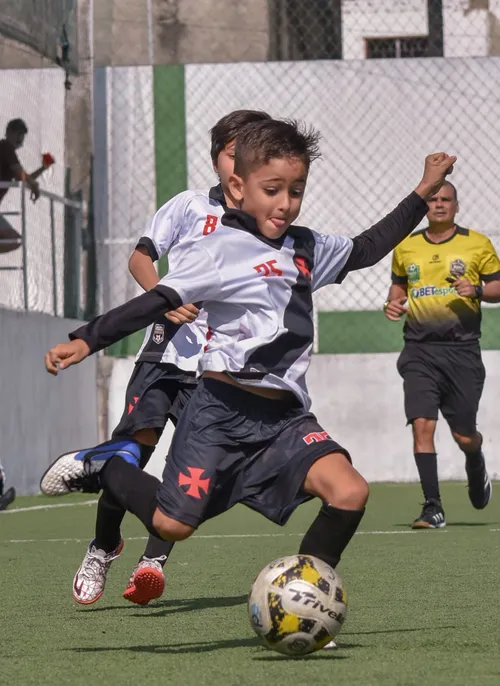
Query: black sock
point(329, 534)
point(428, 473)
point(110, 515)
point(133, 489)
point(146, 452)
point(158, 548)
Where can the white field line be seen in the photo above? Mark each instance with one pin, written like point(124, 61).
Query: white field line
point(196, 536)
point(47, 507)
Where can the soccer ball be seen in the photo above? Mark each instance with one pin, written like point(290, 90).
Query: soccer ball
point(297, 604)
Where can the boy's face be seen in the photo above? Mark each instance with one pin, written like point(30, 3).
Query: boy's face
point(272, 194)
point(225, 164)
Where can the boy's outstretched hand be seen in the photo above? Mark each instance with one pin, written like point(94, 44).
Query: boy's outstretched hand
point(437, 167)
point(64, 355)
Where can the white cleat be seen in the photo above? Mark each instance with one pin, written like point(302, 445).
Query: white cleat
point(90, 579)
point(69, 473)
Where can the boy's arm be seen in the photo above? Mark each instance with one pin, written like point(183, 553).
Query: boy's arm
point(143, 270)
point(195, 277)
point(377, 242)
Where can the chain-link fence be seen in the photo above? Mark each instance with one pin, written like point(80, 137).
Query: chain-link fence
point(385, 82)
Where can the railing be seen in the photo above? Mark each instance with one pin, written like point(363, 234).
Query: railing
point(65, 243)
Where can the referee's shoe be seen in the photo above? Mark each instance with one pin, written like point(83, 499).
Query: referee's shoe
point(431, 517)
point(480, 488)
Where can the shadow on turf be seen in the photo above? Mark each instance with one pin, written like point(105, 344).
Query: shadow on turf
point(407, 526)
point(392, 631)
point(168, 607)
point(210, 646)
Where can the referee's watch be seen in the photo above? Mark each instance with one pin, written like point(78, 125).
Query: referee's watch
point(479, 293)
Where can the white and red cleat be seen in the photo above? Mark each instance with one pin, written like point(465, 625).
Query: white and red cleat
point(90, 579)
point(147, 581)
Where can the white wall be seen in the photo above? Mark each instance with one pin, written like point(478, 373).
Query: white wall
point(41, 416)
point(359, 400)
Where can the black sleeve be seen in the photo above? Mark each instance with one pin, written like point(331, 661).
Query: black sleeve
point(128, 318)
point(378, 241)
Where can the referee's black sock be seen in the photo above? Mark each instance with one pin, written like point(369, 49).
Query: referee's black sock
point(428, 473)
point(133, 489)
point(329, 534)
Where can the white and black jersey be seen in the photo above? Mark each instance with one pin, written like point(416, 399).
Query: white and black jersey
point(189, 216)
point(257, 293)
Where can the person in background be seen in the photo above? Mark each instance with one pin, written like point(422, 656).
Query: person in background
point(440, 277)
point(12, 170)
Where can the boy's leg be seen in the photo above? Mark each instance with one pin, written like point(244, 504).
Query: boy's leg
point(149, 398)
point(344, 493)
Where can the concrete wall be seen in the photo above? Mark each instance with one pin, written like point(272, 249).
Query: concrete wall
point(40, 416)
point(359, 400)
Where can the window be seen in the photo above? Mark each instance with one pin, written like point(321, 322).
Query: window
point(409, 46)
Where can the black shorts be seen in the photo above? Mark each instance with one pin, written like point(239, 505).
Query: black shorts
point(443, 377)
point(232, 446)
point(155, 394)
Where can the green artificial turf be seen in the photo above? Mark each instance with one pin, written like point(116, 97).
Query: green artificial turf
point(423, 606)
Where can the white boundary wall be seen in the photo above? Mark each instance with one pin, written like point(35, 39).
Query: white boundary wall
point(359, 400)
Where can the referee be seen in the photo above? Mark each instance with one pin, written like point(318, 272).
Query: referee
point(440, 275)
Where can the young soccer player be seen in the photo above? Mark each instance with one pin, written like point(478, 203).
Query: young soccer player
point(246, 434)
point(164, 374)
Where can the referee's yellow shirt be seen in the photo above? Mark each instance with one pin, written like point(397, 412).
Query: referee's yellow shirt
point(435, 312)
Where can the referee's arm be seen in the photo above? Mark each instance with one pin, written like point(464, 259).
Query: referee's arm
point(395, 305)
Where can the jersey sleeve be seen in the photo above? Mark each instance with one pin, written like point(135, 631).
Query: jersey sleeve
point(330, 255)
point(165, 227)
point(398, 272)
point(489, 267)
point(193, 274)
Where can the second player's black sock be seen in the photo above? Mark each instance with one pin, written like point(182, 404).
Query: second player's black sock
point(329, 534)
point(134, 490)
point(158, 548)
point(428, 473)
point(110, 515)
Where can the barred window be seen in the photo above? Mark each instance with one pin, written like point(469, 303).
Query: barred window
point(409, 46)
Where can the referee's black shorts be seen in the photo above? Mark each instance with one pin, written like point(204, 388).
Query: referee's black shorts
point(446, 377)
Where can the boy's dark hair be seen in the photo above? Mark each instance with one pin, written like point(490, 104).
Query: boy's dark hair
point(16, 125)
point(259, 143)
point(229, 127)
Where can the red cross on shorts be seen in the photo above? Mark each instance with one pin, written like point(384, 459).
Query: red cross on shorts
point(194, 481)
point(132, 405)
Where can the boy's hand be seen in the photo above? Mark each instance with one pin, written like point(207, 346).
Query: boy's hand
point(65, 355)
point(183, 314)
point(437, 167)
point(395, 309)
